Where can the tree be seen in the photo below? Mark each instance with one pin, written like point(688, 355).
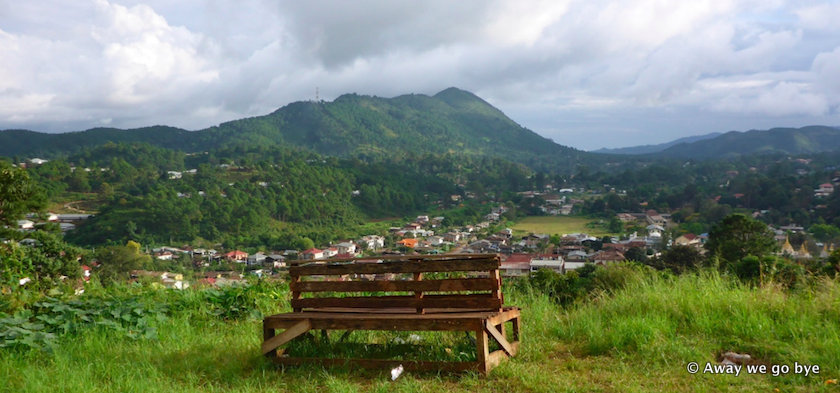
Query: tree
point(18, 195)
point(824, 232)
point(737, 236)
point(637, 254)
point(682, 258)
point(117, 262)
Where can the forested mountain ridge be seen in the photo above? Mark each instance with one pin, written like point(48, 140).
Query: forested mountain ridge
point(805, 140)
point(453, 120)
point(645, 149)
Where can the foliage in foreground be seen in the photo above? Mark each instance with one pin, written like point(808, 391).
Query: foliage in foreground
point(637, 336)
point(129, 311)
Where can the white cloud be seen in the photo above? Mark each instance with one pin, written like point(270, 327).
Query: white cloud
point(194, 63)
point(820, 16)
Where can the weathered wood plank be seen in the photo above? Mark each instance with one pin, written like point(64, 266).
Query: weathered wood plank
point(439, 257)
point(482, 349)
point(471, 301)
point(289, 334)
point(381, 364)
point(413, 266)
point(387, 323)
point(418, 295)
point(499, 337)
point(445, 285)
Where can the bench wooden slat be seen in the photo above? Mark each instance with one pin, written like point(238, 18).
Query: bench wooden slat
point(472, 301)
point(413, 266)
point(382, 364)
point(446, 285)
point(439, 257)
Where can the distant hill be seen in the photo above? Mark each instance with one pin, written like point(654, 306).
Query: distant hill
point(452, 120)
point(647, 149)
point(805, 140)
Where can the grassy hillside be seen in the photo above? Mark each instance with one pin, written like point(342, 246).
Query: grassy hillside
point(635, 339)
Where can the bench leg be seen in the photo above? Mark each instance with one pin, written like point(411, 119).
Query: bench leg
point(288, 335)
point(268, 333)
point(482, 351)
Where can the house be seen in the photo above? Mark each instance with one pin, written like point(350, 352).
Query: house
point(577, 256)
point(256, 259)
point(164, 255)
point(688, 239)
point(655, 230)
point(434, 240)
point(73, 217)
point(276, 260)
point(607, 257)
point(86, 272)
point(237, 256)
point(167, 279)
point(312, 253)
point(826, 189)
point(626, 217)
point(498, 240)
point(452, 237)
point(330, 252)
point(346, 248)
point(550, 261)
point(25, 224)
point(372, 242)
point(408, 242)
point(481, 246)
point(422, 219)
point(515, 265)
point(38, 161)
point(492, 217)
point(655, 218)
point(52, 217)
point(620, 247)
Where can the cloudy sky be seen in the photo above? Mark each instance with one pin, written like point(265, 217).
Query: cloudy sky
point(588, 74)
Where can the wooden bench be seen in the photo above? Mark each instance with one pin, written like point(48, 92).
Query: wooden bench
point(390, 293)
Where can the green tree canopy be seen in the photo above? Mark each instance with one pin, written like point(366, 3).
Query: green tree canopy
point(737, 236)
point(18, 195)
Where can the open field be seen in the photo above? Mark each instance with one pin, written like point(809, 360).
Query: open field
point(637, 339)
point(558, 225)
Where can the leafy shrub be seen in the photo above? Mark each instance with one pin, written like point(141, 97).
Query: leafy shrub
point(243, 301)
point(46, 321)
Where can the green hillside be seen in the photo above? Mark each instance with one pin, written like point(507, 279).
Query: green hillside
point(811, 139)
point(451, 121)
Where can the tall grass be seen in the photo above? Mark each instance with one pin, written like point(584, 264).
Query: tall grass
point(636, 332)
point(696, 317)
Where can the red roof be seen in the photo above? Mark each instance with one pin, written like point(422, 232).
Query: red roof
point(237, 254)
point(517, 258)
point(312, 250)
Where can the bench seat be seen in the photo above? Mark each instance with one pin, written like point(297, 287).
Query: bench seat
point(464, 307)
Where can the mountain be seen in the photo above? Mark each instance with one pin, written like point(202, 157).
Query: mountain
point(646, 149)
point(805, 140)
point(452, 120)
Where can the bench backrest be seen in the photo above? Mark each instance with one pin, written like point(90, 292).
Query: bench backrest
point(410, 283)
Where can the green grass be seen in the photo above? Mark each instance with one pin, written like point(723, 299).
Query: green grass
point(638, 339)
point(558, 225)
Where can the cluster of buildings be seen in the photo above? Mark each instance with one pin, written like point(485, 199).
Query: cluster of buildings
point(65, 221)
